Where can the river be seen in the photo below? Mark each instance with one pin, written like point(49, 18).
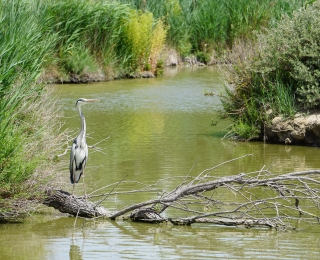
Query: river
point(150, 130)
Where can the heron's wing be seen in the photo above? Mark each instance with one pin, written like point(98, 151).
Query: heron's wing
point(86, 151)
point(72, 164)
point(78, 160)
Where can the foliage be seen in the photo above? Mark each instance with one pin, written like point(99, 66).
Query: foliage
point(203, 57)
point(95, 35)
point(293, 58)
point(77, 60)
point(26, 123)
point(29, 144)
point(206, 25)
point(282, 73)
point(87, 31)
point(142, 40)
point(159, 68)
point(157, 42)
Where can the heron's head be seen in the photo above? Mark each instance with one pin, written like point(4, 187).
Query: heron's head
point(83, 101)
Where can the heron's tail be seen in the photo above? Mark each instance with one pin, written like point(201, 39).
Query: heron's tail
point(74, 178)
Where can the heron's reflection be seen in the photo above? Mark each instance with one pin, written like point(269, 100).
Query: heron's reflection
point(75, 252)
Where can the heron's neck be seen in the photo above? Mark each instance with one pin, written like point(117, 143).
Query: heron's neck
point(83, 122)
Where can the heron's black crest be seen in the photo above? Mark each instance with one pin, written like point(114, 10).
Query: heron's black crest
point(80, 99)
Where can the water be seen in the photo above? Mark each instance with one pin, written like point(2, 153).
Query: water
point(159, 129)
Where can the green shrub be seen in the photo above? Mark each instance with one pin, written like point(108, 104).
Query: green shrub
point(88, 31)
point(157, 42)
point(292, 59)
point(136, 35)
point(282, 73)
point(29, 144)
point(184, 47)
point(159, 68)
point(142, 40)
point(203, 57)
point(77, 60)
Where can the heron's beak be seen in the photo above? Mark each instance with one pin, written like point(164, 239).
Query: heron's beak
point(92, 100)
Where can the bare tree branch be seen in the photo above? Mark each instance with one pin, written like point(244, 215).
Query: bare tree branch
point(261, 199)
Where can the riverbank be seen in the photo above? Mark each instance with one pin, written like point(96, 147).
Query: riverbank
point(169, 56)
point(301, 130)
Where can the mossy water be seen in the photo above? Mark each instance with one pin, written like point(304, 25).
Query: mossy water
point(159, 128)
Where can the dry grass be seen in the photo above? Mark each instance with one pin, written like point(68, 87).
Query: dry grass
point(47, 141)
point(43, 141)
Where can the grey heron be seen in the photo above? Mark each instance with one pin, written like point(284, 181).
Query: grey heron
point(79, 149)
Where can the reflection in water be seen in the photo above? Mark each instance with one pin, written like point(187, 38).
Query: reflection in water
point(75, 253)
point(161, 128)
point(103, 239)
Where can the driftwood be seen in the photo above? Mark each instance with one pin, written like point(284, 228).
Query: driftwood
point(262, 199)
point(65, 202)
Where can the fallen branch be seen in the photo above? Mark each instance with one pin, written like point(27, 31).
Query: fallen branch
point(65, 202)
point(261, 199)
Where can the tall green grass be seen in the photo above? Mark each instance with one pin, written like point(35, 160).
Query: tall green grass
point(25, 44)
point(88, 32)
point(97, 35)
point(204, 25)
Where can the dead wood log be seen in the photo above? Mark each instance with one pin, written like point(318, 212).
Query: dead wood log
point(65, 202)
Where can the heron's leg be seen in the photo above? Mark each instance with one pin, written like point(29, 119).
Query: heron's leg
point(72, 196)
point(84, 187)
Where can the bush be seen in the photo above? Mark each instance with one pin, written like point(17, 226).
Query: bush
point(142, 40)
point(203, 57)
point(293, 58)
point(77, 60)
point(29, 144)
point(282, 73)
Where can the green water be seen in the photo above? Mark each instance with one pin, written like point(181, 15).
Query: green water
point(158, 129)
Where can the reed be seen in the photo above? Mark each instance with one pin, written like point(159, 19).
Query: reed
point(214, 24)
point(25, 44)
point(87, 30)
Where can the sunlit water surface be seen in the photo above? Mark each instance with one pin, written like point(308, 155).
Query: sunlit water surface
point(159, 128)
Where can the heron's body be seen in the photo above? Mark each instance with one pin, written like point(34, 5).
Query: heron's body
point(79, 149)
point(78, 155)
